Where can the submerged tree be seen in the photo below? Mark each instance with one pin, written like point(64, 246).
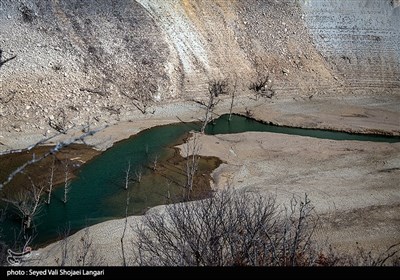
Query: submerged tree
point(138, 174)
point(127, 175)
point(192, 149)
point(67, 181)
point(51, 179)
point(27, 203)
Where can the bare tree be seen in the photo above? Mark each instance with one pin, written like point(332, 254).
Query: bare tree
point(142, 100)
point(138, 174)
point(228, 229)
point(155, 163)
point(52, 168)
point(27, 203)
point(232, 93)
point(66, 181)
point(62, 261)
point(84, 251)
point(262, 86)
point(124, 230)
point(215, 89)
point(192, 150)
point(78, 254)
point(127, 175)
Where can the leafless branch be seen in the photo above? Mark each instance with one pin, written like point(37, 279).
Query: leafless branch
point(52, 151)
point(192, 150)
point(52, 168)
point(262, 86)
point(215, 89)
point(124, 231)
point(127, 175)
point(231, 228)
point(96, 91)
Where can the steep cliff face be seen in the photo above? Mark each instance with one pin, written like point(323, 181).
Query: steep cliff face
point(102, 59)
point(239, 40)
point(359, 38)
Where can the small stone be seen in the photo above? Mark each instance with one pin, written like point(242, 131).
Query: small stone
point(27, 107)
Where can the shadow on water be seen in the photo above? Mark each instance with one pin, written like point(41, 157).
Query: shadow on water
point(97, 192)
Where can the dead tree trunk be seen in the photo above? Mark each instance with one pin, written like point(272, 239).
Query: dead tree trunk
point(123, 232)
point(138, 175)
point(232, 98)
point(127, 175)
point(66, 182)
point(215, 89)
point(36, 192)
point(192, 163)
point(27, 203)
point(51, 180)
point(155, 163)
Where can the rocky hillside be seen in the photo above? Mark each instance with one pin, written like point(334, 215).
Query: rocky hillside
point(101, 60)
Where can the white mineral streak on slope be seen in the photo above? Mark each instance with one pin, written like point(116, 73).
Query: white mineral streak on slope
point(181, 32)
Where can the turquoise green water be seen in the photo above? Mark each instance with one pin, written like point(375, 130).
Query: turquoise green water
point(97, 194)
point(241, 124)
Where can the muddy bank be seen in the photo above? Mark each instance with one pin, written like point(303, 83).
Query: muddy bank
point(69, 160)
point(95, 197)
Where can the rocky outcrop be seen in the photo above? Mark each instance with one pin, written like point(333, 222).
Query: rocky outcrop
point(100, 61)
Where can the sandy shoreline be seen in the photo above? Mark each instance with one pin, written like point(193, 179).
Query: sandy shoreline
point(312, 164)
point(356, 114)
